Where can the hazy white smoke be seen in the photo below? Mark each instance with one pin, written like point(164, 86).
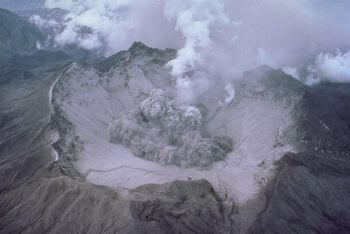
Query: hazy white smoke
point(42, 23)
point(194, 20)
point(329, 67)
point(112, 25)
point(220, 38)
point(95, 16)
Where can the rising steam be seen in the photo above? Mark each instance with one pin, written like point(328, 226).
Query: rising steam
point(218, 38)
point(329, 67)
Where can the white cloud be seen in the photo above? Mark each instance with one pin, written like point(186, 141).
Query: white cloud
point(330, 67)
point(221, 37)
point(114, 24)
point(41, 22)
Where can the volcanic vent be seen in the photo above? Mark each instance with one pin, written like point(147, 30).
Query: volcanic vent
point(160, 131)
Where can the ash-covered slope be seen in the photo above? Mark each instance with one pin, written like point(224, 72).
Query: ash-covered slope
point(310, 193)
point(35, 197)
point(122, 85)
point(318, 115)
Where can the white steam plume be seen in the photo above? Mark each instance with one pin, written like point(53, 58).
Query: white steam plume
point(112, 25)
point(42, 23)
point(329, 67)
point(194, 19)
point(222, 38)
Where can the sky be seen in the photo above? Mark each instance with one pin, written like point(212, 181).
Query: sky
point(21, 4)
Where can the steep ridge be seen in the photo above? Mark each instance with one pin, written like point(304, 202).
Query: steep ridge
point(16, 34)
point(311, 187)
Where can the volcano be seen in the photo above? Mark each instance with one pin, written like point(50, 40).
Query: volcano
point(93, 144)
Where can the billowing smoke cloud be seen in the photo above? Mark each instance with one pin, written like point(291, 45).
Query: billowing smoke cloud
point(194, 19)
point(112, 25)
point(42, 23)
point(216, 39)
point(329, 67)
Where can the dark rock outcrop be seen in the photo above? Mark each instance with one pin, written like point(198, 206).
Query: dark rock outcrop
point(180, 207)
